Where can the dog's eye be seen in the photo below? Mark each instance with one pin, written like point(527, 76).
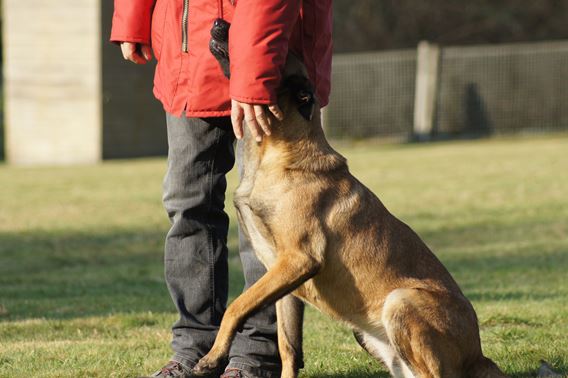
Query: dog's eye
point(304, 96)
point(306, 103)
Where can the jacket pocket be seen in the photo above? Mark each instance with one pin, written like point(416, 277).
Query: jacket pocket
point(158, 26)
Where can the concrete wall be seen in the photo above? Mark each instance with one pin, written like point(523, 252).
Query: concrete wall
point(70, 97)
point(134, 122)
point(52, 81)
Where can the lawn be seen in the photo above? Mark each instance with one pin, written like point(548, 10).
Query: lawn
point(81, 272)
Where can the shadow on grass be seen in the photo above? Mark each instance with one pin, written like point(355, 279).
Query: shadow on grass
point(515, 276)
point(532, 374)
point(366, 374)
point(72, 274)
point(362, 373)
point(351, 374)
point(62, 274)
point(76, 274)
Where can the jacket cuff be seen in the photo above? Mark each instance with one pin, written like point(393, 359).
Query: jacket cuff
point(260, 96)
point(131, 39)
point(131, 21)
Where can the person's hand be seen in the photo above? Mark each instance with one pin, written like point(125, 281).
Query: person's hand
point(136, 52)
point(255, 116)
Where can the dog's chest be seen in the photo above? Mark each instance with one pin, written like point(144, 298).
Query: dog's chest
point(263, 247)
point(253, 221)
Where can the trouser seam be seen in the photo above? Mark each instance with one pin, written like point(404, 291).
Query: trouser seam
point(210, 231)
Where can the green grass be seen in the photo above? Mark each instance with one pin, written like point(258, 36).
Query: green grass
point(81, 282)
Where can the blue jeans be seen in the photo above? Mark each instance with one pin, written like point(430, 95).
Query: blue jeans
point(201, 152)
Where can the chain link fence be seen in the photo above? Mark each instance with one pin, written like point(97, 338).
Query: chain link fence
point(372, 95)
point(480, 90)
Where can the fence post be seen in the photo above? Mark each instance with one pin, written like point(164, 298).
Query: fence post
point(427, 71)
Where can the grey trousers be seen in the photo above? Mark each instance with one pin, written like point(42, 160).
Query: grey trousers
point(201, 152)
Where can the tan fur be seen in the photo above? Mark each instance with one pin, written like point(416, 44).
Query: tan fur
point(329, 240)
point(290, 315)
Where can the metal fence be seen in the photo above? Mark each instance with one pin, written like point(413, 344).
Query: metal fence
point(480, 90)
point(372, 94)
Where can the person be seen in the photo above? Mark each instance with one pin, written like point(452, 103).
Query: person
point(201, 105)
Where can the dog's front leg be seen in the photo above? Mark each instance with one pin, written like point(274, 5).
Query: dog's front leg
point(290, 317)
point(289, 272)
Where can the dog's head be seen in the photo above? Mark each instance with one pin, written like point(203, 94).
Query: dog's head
point(296, 92)
point(296, 96)
point(298, 102)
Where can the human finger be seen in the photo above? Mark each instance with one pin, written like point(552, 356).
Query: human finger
point(146, 52)
point(129, 52)
point(250, 119)
point(237, 116)
point(276, 111)
point(261, 118)
point(127, 49)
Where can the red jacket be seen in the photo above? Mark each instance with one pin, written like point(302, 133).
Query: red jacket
point(189, 78)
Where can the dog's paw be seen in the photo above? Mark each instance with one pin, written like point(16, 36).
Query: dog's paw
point(289, 373)
point(206, 366)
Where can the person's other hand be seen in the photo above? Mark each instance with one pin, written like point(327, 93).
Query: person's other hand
point(136, 52)
point(255, 116)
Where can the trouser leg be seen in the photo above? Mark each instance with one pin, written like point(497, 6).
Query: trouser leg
point(200, 154)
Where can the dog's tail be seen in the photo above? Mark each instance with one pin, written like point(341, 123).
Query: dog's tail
point(485, 368)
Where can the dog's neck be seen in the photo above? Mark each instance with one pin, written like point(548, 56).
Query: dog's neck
point(306, 151)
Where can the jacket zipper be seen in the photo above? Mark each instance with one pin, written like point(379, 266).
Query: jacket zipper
point(184, 23)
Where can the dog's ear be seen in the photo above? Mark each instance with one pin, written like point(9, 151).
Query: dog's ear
point(306, 103)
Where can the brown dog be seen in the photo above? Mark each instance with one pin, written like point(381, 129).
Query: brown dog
point(327, 239)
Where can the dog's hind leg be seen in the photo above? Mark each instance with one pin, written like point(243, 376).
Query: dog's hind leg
point(290, 317)
point(380, 348)
point(420, 326)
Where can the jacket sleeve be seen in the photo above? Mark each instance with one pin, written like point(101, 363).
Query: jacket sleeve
point(258, 45)
point(132, 20)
